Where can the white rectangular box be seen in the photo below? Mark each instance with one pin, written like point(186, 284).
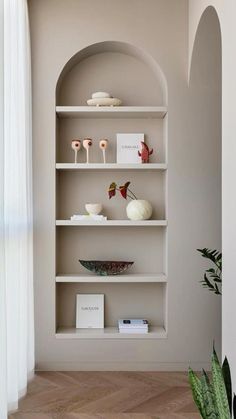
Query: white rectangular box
point(128, 146)
point(90, 311)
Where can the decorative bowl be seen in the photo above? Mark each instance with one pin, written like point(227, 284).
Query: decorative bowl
point(93, 209)
point(106, 267)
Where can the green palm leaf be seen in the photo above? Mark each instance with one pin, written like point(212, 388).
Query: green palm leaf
point(197, 391)
point(219, 390)
point(213, 276)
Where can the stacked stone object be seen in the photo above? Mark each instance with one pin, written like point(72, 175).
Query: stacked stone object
point(103, 99)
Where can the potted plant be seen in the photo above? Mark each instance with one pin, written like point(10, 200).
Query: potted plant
point(137, 209)
point(212, 276)
point(213, 396)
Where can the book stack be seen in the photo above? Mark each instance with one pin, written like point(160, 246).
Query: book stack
point(88, 217)
point(133, 326)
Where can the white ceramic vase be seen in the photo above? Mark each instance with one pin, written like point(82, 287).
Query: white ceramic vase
point(139, 209)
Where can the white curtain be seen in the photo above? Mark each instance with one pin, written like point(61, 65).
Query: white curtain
point(16, 300)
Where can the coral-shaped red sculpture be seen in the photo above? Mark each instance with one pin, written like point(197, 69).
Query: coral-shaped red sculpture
point(145, 152)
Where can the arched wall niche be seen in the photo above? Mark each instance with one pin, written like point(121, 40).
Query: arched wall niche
point(120, 68)
point(205, 139)
point(209, 15)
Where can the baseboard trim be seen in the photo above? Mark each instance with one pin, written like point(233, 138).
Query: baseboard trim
point(120, 366)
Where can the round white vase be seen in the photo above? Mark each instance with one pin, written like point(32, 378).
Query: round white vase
point(139, 209)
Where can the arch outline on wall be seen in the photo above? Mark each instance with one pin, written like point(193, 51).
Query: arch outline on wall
point(120, 47)
point(193, 40)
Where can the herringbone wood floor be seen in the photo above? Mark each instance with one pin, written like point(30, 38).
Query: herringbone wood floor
point(107, 395)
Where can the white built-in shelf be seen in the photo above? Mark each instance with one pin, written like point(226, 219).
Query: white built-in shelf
point(113, 223)
point(156, 332)
point(111, 112)
point(110, 166)
point(157, 278)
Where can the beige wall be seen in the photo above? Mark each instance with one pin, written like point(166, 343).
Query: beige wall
point(226, 11)
point(159, 27)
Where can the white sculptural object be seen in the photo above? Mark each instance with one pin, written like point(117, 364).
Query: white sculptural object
point(139, 209)
point(87, 143)
point(103, 99)
point(76, 145)
point(103, 146)
point(99, 95)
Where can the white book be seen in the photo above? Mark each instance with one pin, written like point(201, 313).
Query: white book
point(88, 217)
point(133, 323)
point(90, 311)
point(133, 327)
point(128, 146)
point(132, 331)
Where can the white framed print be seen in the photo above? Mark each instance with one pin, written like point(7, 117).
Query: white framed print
point(90, 311)
point(128, 145)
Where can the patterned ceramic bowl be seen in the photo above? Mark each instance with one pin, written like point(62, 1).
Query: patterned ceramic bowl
point(103, 267)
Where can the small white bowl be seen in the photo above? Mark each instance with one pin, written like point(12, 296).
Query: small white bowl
point(93, 209)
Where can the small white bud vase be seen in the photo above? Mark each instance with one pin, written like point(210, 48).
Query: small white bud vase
point(139, 209)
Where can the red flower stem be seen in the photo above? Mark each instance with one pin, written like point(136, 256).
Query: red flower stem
point(131, 197)
point(132, 194)
point(127, 194)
